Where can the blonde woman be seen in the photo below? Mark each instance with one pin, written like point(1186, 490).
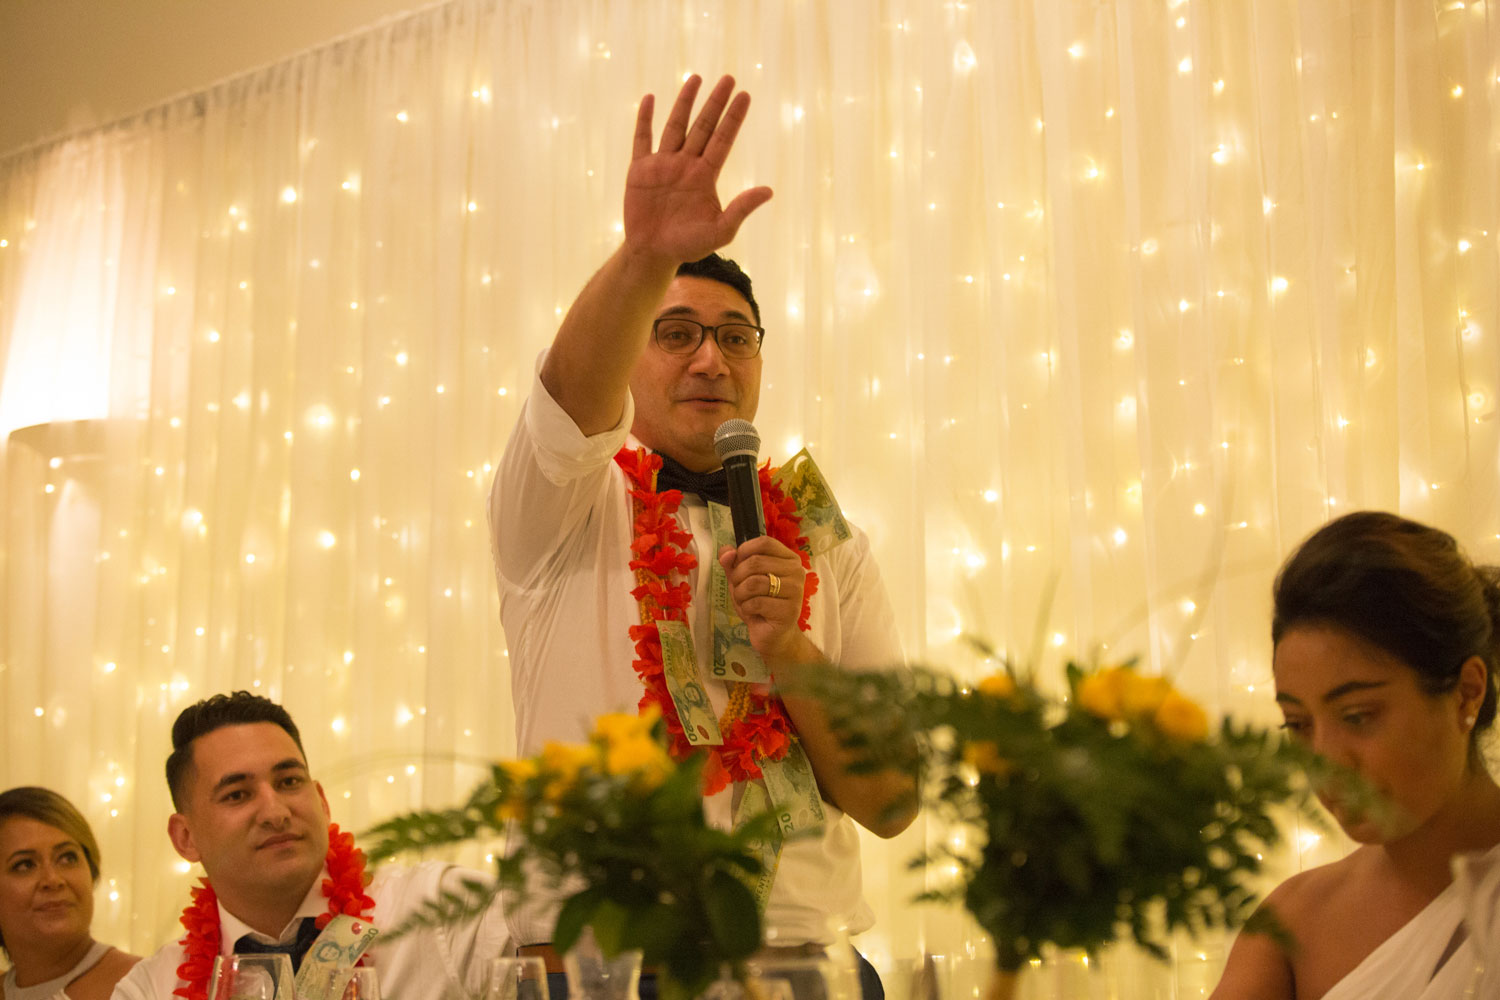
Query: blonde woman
point(49, 865)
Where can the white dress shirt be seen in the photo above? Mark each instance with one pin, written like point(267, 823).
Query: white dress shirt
point(426, 963)
point(560, 526)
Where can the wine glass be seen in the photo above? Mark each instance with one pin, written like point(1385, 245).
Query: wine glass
point(516, 979)
point(251, 977)
point(794, 978)
point(331, 980)
point(363, 984)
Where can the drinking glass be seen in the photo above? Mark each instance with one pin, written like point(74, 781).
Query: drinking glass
point(363, 984)
point(516, 979)
point(251, 977)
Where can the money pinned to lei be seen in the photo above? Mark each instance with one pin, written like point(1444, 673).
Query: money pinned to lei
point(755, 726)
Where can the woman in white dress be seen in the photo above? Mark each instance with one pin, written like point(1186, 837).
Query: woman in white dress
point(1386, 644)
point(49, 865)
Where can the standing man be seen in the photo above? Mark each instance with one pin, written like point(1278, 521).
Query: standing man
point(602, 567)
point(277, 872)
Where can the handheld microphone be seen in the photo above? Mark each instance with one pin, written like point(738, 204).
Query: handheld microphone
point(737, 443)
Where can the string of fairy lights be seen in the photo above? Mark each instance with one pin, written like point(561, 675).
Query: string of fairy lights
point(1073, 355)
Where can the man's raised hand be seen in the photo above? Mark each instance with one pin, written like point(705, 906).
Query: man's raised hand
point(672, 208)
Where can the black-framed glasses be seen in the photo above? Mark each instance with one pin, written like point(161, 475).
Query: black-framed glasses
point(677, 335)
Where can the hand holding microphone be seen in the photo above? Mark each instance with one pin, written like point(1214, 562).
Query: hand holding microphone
point(765, 577)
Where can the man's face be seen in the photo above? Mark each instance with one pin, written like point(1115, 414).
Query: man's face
point(681, 399)
point(252, 815)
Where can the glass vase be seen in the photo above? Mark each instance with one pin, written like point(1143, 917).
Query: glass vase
point(593, 976)
point(948, 977)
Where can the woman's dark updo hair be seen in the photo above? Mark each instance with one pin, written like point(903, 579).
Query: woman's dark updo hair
point(1401, 586)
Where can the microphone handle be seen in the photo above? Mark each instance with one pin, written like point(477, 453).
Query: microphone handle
point(744, 498)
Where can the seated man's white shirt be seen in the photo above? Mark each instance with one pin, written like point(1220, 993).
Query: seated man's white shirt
point(425, 963)
point(561, 529)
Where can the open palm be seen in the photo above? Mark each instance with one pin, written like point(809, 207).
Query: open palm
point(672, 207)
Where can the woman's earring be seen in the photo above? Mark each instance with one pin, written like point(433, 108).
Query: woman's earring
point(1470, 720)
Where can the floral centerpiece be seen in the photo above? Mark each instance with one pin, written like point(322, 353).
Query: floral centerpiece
point(616, 827)
point(1114, 811)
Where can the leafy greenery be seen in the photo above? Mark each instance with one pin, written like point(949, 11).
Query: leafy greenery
point(617, 829)
point(1112, 812)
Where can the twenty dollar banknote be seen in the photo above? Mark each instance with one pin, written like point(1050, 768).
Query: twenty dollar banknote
point(822, 522)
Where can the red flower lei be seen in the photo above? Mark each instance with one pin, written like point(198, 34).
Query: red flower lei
point(344, 889)
point(755, 726)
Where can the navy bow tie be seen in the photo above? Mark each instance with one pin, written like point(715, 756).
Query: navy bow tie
point(707, 485)
point(307, 933)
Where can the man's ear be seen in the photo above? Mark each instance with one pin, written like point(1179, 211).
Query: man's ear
point(323, 796)
point(181, 835)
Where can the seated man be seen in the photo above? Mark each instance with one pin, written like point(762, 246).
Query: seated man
point(251, 814)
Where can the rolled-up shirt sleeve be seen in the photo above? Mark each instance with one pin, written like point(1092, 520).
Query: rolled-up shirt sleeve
point(548, 480)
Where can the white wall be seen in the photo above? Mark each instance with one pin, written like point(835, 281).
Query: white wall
point(70, 64)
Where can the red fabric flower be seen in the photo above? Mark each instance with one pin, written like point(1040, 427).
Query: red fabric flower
point(768, 729)
point(715, 774)
point(661, 562)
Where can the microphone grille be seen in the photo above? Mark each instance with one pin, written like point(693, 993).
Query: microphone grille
point(736, 437)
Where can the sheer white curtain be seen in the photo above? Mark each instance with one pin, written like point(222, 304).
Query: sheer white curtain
point(1107, 302)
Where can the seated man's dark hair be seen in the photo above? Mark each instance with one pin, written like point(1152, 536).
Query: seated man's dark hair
point(235, 709)
point(1403, 587)
point(725, 271)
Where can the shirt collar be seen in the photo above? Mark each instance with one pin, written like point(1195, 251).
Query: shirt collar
point(232, 928)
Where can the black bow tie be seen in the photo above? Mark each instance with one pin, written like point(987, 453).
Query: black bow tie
point(706, 485)
point(307, 933)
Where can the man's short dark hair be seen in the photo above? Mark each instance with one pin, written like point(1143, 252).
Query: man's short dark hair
point(235, 709)
point(724, 271)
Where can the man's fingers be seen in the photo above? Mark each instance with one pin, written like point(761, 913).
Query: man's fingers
point(739, 209)
point(722, 140)
point(749, 567)
point(676, 128)
point(642, 144)
point(708, 118)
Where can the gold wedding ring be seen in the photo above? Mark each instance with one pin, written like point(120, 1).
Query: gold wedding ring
point(775, 584)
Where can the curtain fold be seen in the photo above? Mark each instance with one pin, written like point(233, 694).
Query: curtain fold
point(1089, 309)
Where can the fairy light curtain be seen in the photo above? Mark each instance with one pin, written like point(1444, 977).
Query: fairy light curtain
point(1089, 310)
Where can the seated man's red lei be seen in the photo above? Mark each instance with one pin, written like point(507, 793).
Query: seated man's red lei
point(344, 889)
point(756, 726)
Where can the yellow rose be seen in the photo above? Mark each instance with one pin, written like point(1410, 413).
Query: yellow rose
point(1103, 693)
point(614, 727)
point(1180, 717)
point(512, 808)
point(1140, 695)
point(998, 685)
point(641, 758)
point(563, 761)
point(984, 757)
point(519, 771)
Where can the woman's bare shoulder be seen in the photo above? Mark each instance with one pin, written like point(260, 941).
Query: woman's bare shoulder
point(1259, 965)
point(99, 982)
point(1304, 893)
